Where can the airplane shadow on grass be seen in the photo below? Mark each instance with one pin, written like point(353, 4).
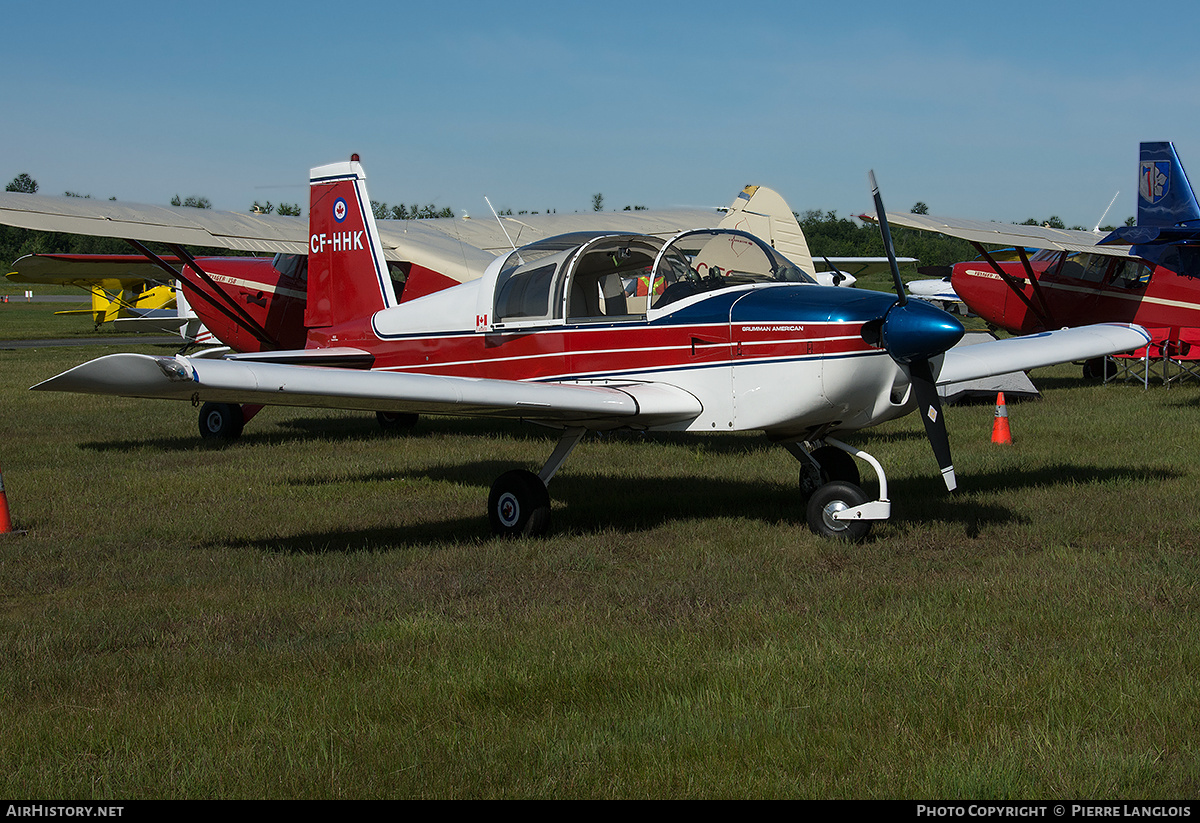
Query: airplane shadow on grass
point(350, 428)
point(587, 504)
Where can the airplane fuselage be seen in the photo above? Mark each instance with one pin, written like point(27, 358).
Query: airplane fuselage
point(1091, 290)
point(271, 299)
point(782, 358)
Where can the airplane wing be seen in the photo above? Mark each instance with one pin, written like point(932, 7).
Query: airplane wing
point(498, 236)
point(262, 233)
point(86, 270)
point(460, 248)
point(162, 224)
point(1035, 350)
point(231, 381)
point(859, 266)
point(1007, 234)
point(593, 405)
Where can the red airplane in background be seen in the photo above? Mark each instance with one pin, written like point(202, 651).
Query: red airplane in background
point(1143, 275)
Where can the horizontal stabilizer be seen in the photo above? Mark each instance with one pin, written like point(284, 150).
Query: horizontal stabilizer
point(1035, 350)
point(1151, 235)
point(1176, 249)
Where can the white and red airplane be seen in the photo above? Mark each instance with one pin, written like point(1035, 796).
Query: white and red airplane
point(704, 331)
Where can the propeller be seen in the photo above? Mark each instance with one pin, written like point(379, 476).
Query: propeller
point(913, 333)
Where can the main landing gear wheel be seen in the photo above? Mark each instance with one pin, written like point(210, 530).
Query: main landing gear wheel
point(1099, 368)
point(221, 421)
point(519, 505)
point(830, 499)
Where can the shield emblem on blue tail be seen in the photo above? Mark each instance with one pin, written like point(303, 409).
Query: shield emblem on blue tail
point(1154, 180)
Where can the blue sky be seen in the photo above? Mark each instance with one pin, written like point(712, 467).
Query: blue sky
point(988, 111)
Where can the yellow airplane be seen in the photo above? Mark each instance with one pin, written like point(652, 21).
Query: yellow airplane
point(122, 287)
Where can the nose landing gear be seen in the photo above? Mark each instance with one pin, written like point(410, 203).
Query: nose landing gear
point(829, 478)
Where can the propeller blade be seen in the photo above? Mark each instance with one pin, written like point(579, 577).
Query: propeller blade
point(929, 404)
point(887, 240)
point(912, 334)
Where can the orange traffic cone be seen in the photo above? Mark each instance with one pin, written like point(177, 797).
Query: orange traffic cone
point(1000, 432)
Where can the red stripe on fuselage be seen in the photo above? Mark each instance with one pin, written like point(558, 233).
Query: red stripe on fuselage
point(569, 351)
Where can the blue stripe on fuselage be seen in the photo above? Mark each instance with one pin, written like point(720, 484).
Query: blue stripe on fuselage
point(783, 304)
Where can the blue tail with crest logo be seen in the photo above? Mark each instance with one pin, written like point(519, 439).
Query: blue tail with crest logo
point(1165, 197)
point(1167, 233)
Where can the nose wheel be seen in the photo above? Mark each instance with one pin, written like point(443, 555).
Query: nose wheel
point(829, 478)
point(835, 499)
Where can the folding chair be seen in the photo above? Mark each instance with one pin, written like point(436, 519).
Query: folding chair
point(1139, 364)
point(1181, 356)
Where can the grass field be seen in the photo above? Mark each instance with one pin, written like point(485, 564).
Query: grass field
point(319, 611)
point(21, 320)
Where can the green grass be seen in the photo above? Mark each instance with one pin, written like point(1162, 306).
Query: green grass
point(20, 320)
point(319, 611)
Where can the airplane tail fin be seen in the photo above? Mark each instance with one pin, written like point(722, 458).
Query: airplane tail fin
point(1168, 223)
point(764, 213)
point(348, 276)
point(1165, 197)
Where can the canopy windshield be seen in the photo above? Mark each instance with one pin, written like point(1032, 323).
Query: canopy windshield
point(710, 259)
point(596, 276)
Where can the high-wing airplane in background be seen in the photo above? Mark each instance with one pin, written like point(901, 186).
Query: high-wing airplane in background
point(1145, 274)
point(254, 304)
point(728, 335)
point(422, 255)
point(126, 290)
point(124, 287)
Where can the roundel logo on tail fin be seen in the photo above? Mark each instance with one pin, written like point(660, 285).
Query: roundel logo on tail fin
point(1154, 180)
point(340, 209)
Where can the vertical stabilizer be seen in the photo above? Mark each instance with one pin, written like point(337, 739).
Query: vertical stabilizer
point(1165, 197)
point(347, 275)
point(764, 213)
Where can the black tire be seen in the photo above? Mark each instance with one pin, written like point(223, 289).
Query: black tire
point(221, 421)
point(396, 421)
point(837, 465)
point(1099, 368)
point(835, 497)
point(519, 505)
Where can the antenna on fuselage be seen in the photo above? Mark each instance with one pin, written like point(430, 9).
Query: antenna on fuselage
point(1101, 220)
point(501, 222)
